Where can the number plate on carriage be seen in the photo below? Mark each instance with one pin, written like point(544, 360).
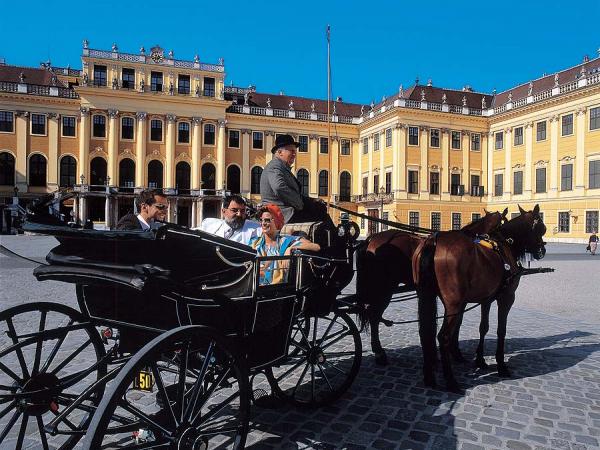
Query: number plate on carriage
point(144, 381)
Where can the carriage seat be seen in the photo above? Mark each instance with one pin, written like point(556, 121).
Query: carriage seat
point(314, 231)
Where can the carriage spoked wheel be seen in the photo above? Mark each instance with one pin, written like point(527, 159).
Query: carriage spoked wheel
point(185, 389)
point(323, 359)
point(49, 354)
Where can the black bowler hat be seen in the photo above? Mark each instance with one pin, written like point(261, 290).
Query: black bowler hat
point(283, 140)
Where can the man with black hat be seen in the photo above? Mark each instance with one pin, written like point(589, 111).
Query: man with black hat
point(278, 185)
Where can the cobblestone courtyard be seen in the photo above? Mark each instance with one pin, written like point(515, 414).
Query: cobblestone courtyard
point(553, 348)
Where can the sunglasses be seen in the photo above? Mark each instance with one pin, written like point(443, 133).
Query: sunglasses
point(160, 206)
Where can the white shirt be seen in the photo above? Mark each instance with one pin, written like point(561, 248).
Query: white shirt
point(219, 227)
point(145, 225)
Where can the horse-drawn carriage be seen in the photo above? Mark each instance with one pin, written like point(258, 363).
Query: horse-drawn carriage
point(173, 326)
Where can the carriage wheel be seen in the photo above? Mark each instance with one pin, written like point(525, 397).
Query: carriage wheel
point(322, 363)
point(47, 357)
point(185, 389)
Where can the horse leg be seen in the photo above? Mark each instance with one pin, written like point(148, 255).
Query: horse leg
point(484, 327)
point(381, 358)
point(454, 346)
point(505, 302)
point(445, 342)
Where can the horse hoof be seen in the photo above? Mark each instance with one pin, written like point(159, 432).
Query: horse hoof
point(504, 372)
point(381, 359)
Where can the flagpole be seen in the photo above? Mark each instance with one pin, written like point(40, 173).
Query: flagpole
point(329, 144)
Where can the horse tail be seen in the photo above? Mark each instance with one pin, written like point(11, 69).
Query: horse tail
point(362, 284)
point(426, 284)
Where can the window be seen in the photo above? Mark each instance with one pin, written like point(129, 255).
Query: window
point(156, 81)
point(37, 170)
point(456, 140)
point(7, 121)
point(475, 142)
point(388, 182)
point(499, 142)
point(376, 142)
point(155, 174)
point(99, 126)
point(183, 132)
point(436, 221)
point(127, 173)
point(255, 175)
point(127, 128)
point(388, 137)
point(413, 182)
point(234, 138)
point(564, 222)
point(365, 185)
point(183, 84)
point(413, 135)
point(365, 146)
point(7, 169)
point(38, 124)
point(68, 126)
point(434, 183)
point(434, 138)
point(302, 176)
point(518, 137)
point(182, 177)
point(233, 179)
point(540, 131)
point(323, 182)
point(208, 174)
point(594, 174)
point(540, 180)
point(591, 221)
point(209, 134)
point(518, 183)
point(68, 171)
point(455, 184)
point(303, 141)
point(257, 140)
point(345, 143)
point(498, 184)
point(475, 188)
point(567, 125)
point(128, 78)
point(345, 183)
point(323, 145)
point(413, 218)
point(209, 87)
point(376, 184)
point(456, 221)
point(566, 177)
point(156, 127)
point(594, 118)
point(475, 216)
point(99, 75)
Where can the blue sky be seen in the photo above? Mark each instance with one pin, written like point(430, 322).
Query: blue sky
point(376, 45)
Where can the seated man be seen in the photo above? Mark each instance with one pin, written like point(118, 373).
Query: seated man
point(279, 186)
point(153, 206)
point(233, 225)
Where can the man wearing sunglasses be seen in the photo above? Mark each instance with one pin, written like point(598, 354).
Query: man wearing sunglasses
point(153, 206)
point(233, 225)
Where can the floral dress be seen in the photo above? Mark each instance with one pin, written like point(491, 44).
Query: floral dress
point(273, 272)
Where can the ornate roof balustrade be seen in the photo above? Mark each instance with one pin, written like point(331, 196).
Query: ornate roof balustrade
point(290, 114)
point(373, 198)
point(35, 89)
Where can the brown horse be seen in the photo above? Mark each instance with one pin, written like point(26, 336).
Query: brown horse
point(450, 265)
point(385, 262)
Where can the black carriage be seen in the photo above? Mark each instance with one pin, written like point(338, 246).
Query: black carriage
point(173, 327)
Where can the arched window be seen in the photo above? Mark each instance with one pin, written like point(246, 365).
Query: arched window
point(303, 179)
point(182, 177)
point(233, 179)
point(98, 171)
point(345, 183)
point(37, 170)
point(208, 176)
point(155, 174)
point(68, 171)
point(7, 169)
point(209, 134)
point(255, 180)
point(323, 182)
point(127, 173)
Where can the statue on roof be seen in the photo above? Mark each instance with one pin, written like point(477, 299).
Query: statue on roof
point(530, 88)
point(268, 102)
point(509, 97)
point(444, 98)
point(312, 107)
point(196, 58)
point(334, 110)
point(142, 50)
point(115, 48)
point(422, 95)
point(401, 92)
point(245, 99)
point(464, 100)
point(291, 105)
point(372, 105)
point(483, 103)
point(171, 54)
point(555, 79)
point(21, 77)
point(221, 61)
point(86, 43)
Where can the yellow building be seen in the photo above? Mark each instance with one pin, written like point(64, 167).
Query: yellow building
point(425, 155)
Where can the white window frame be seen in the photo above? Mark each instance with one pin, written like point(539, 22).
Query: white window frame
point(162, 134)
point(121, 138)
point(589, 119)
point(252, 139)
point(14, 122)
point(558, 213)
point(204, 144)
point(239, 139)
point(31, 125)
point(572, 124)
point(189, 132)
point(62, 134)
point(105, 137)
point(471, 142)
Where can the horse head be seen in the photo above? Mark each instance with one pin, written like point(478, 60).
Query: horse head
point(527, 231)
point(487, 224)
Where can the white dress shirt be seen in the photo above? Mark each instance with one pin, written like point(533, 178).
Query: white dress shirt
point(219, 228)
point(145, 225)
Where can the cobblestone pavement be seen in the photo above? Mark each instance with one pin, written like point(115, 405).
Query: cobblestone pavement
point(551, 402)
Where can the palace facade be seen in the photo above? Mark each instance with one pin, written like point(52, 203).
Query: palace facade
point(426, 155)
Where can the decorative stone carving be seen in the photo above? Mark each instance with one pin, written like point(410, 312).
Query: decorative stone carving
point(245, 99)
point(86, 43)
point(354, 140)
point(246, 131)
point(268, 102)
point(171, 88)
point(509, 97)
point(483, 103)
point(197, 92)
point(113, 113)
point(84, 111)
point(464, 100)
point(556, 79)
point(98, 150)
point(581, 111)
point(171, 118)
point(423, 128)
point(334, 109)
point(445, 130)
point(444, 98)
point(507, 130)
point(529, 125)
point(401, 92)
point(52, 115)
point(196, 120)
point(530, 88)
point(422, 95)
point(291, 105)
point(312, 107)
point(313, 137)
point(269, 133)
point(465, 132)
point(115, 83)
point(155, 152)
point(115, 48)
point(142, 85)
point(22, 113)
point(554, 118)
point(196, 58)
point(222, 123)
point(21, 77)
point(140, 116)
point(85, 79)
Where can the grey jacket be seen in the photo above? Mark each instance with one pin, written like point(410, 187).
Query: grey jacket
point(278, 185)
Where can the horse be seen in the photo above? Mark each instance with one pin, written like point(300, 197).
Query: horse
point(385, 261)
point(451, 266)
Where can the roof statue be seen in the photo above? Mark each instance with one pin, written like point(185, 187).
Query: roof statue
point(171, 54)
point(384, 98)
point(334, 110)
point(530, 88)
point(142, 50)
point(196, 58)
point(312, 107)
point(401, 92)
point(444, 98)
point(86, 43)
point(422, 95)
point(483, 103)
point(22, 77)
point(429, 82)
point(509, 97)
point(362, 110)
point(372, 105)
point(114, 48)
point(556, 79)
point(245, 99)
point(464, 100)
point(291, 105)
point(268, 102)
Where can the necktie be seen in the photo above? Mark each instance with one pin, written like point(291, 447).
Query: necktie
point(229, 233)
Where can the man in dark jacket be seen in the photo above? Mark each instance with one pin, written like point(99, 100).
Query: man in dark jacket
point(153, 206)
point(279, 186)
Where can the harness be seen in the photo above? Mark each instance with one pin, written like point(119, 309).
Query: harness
point(510, 270)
